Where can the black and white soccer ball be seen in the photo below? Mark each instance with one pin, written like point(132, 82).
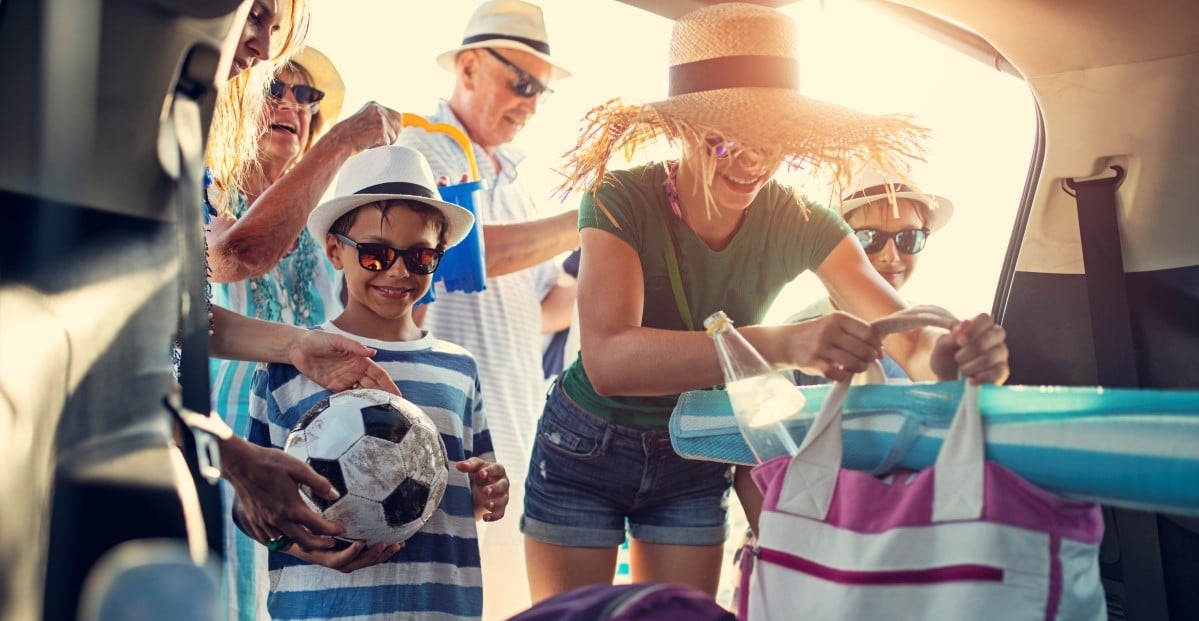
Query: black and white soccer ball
point(384, 456)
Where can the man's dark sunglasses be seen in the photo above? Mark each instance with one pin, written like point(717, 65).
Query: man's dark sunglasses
point(305, 95)
point(380, 257)
point(524, 85)
point(907, 241)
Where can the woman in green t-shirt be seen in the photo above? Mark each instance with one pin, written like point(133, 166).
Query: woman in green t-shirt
point(665, 245)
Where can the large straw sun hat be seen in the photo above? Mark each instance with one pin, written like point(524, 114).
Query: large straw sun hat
point(734, 72)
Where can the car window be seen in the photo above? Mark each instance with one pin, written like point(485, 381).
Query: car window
point(982, 120)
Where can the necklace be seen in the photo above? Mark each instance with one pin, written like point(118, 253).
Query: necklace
point(290, 285)
point(672, 187)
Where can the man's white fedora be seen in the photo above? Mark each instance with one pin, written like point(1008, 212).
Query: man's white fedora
point(511, 24)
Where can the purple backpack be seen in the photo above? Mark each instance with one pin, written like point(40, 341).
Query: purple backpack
point(628, 602)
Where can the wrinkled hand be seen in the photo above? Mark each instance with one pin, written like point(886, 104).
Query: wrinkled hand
point(978, 347)
point(373, 125)
point(338, 363)
point(488, 487)
point(357, 556)
point(268, 501)
point(836, 345)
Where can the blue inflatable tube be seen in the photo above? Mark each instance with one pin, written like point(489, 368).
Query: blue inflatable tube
point(1136, 449)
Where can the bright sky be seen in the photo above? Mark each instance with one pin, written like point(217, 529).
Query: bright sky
point(982, 121)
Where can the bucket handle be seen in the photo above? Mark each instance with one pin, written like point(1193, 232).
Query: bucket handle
point(408, 119)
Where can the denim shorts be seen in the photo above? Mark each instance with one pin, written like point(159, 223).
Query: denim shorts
point(587, 476)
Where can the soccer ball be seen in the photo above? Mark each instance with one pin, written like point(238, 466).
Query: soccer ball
point(384, 456)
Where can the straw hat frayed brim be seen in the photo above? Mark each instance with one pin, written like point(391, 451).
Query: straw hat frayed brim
point(459, 219)
point(803, 132)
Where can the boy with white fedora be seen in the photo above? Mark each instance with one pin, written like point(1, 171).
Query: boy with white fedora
point(387, 229)
point(503, 67)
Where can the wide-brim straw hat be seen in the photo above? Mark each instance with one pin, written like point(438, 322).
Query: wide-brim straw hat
point(510, 24)
point(326, 78)
point(387, 173)
point(869, 185)
point(734, 72)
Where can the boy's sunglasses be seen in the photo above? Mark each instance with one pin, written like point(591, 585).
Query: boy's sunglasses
point(524, 85)
point(907, 241)
point(380, 257)
point(305, 95)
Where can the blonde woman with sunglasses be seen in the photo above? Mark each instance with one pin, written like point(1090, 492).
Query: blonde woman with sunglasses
point(665, 245)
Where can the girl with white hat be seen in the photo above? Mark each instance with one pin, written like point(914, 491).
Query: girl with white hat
point(667, 244)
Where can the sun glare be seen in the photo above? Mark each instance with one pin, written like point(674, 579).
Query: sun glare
point(982, 121)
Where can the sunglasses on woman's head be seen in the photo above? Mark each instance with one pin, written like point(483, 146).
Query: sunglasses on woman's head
point(907, 241)
point(305, 95)
point(380, 257)
point(524, 85)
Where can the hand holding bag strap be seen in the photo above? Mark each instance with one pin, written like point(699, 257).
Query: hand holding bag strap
point(812, 473)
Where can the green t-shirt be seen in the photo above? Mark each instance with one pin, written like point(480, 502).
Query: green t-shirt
point(776, 243)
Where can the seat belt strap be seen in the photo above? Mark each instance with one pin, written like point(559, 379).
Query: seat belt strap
point(1103, 261)
point(200, 448)
point(1136, 533)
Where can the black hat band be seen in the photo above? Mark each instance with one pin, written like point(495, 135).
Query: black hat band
point(398, 187)
point(734, 72)
point(540, 46)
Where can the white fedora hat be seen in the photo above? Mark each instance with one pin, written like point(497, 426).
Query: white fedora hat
point(512, 24)
point(870, 185)
point(387, 173)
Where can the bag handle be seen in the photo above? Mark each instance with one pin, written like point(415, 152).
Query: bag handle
point(811, 476)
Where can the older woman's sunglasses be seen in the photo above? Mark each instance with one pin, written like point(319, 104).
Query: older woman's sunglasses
point(380, 257)
point(524, 85)
point(907, 241)
point(305, 95)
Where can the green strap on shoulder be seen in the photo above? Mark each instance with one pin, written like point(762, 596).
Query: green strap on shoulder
point(672, 266)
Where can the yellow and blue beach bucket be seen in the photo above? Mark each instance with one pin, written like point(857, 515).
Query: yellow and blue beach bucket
point(463, 267)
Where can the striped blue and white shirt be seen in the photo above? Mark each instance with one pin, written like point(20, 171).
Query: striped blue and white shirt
point(436, 574)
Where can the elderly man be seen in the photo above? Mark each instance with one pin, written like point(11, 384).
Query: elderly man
point(502, 70)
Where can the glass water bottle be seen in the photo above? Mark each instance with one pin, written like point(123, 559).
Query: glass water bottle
point(762, 398)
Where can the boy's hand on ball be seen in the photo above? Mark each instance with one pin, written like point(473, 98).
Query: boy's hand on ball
point(357, 556)
point(488, 487)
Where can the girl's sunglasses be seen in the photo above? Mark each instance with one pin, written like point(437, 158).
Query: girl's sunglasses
point(907, 241)
point(524, 85)
point(305, 95)
point(380, 257)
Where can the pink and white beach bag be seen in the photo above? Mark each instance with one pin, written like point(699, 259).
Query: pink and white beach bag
point(963, 539)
